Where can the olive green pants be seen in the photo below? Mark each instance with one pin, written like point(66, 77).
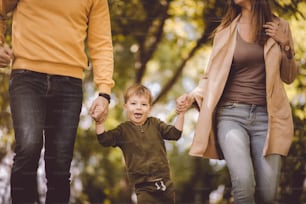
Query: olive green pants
point(160, 192)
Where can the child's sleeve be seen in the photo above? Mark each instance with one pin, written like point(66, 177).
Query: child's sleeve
point(168, 132)
point(109, 138)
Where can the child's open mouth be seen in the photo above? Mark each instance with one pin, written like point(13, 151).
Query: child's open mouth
point(137, 115)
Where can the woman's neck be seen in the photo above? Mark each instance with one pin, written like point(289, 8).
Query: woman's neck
point(246, 16)
point(246, 25)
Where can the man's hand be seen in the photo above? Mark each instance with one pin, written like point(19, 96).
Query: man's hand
point(6, 56)
point(99, 109)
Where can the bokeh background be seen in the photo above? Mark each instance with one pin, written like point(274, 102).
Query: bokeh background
point(165, 45)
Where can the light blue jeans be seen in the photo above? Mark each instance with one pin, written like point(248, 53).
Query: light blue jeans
point(241, 132)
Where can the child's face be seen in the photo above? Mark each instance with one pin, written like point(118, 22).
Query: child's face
point(138, 109)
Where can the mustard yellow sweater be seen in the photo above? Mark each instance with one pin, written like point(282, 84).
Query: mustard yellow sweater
point(50, 36)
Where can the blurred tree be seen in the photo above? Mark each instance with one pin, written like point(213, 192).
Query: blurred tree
point(165, 45)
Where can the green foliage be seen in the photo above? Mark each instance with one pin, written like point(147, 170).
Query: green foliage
point(5, 119)
point(294, 166)
point(6, 138)
point(100, 171)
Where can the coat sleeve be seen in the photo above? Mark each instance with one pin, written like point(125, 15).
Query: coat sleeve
point(198, 92)
point(288, 68)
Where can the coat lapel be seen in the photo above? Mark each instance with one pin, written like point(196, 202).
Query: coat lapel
point(217, 73)
point(223, 37)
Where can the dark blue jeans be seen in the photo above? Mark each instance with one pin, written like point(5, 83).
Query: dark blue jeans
point(45, 112)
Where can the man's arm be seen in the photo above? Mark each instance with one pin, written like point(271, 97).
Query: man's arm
point(100, 46)
point(101, 54)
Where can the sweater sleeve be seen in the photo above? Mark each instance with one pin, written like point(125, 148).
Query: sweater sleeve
point(100, 45)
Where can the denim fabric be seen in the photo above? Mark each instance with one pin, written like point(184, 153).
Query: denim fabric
point(241, 132)
point(45, 112)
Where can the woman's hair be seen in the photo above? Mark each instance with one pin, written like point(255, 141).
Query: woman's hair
point(138, 90)
point(262, 13)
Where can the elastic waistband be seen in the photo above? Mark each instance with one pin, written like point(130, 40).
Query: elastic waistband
point(159, 185)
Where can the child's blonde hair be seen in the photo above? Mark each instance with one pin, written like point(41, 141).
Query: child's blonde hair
point(138, 90)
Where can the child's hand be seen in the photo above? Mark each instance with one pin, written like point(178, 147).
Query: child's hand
point(99, 109)
point(100, 127)
point(183, 103)
point(99, 123)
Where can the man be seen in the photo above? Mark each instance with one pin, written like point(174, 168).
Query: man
point(48, 59)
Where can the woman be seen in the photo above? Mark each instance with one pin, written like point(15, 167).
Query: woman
point(245, 115)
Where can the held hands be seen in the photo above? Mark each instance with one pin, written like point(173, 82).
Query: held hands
point(99, 109)
point(183, 103)
point(100, 127)
point(6, 56)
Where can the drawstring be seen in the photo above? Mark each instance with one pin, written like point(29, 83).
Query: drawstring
point(161, 187)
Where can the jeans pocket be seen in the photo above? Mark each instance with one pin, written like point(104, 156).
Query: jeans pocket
point(17, 73)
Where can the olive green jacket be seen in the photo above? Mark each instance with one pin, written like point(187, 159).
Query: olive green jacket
point(143, 148)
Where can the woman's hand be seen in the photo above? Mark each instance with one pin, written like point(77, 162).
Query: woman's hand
point(273, 30)
point(183, 103)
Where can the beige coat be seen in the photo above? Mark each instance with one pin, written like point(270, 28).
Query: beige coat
point(279, 69)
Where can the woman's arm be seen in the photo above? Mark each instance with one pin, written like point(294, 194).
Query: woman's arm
point(288, 69)
point(281, 33)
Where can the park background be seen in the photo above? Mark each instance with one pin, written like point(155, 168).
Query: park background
point(165, 45)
